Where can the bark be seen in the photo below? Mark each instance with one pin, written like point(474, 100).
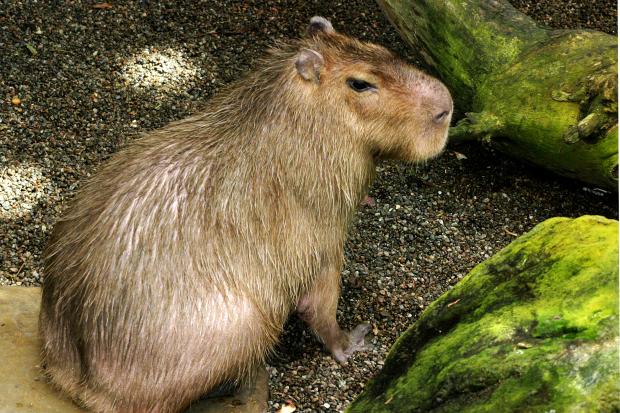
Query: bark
point(548, 97)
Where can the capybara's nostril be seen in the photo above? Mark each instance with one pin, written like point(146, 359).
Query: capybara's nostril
point(441, 117)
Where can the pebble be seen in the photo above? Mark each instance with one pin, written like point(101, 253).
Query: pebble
point(572, 14)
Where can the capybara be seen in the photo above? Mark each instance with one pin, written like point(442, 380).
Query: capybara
point(176, 265)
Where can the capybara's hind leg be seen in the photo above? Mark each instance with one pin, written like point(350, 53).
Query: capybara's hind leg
point(102, 402)
point(61, 362)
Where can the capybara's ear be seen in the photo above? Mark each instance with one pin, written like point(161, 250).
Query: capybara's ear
point(318, 25)
point(309, 64)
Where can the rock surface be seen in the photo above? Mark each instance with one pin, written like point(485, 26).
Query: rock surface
point(22, 384)
point(533, 329)
point(24, 389)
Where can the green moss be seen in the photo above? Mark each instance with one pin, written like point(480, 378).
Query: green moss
point(464, 40)
point(537, 127)
point(545, 97)
point(532, 329)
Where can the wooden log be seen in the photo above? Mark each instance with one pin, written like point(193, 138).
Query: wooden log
point(548, 97)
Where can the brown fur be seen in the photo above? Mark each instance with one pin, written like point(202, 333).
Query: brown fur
point(178, 263)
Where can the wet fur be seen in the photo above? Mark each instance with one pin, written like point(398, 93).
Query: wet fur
point(179, 261)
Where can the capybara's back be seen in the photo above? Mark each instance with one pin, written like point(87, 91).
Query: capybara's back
point(177, 264)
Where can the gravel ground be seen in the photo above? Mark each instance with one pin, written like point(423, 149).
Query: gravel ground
point(77, 82)
point(573, 14)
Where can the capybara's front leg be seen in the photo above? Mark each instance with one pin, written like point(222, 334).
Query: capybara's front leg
point(318, 309)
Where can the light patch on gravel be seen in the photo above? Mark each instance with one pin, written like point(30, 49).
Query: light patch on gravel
point(165, 70)
point(21, 187)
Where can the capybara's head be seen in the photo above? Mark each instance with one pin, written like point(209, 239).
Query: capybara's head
point(397, 110)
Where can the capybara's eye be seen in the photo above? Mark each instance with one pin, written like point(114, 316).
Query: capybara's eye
point(360, 85)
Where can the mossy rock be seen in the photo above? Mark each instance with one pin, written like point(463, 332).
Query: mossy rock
point(533, 329)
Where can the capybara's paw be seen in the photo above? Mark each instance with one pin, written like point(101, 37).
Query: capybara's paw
point(356, 343)
point(356, 339)
point(340, 356)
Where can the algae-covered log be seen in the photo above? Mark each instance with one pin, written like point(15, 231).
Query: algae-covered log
point(545, 96)
point(532, 329)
